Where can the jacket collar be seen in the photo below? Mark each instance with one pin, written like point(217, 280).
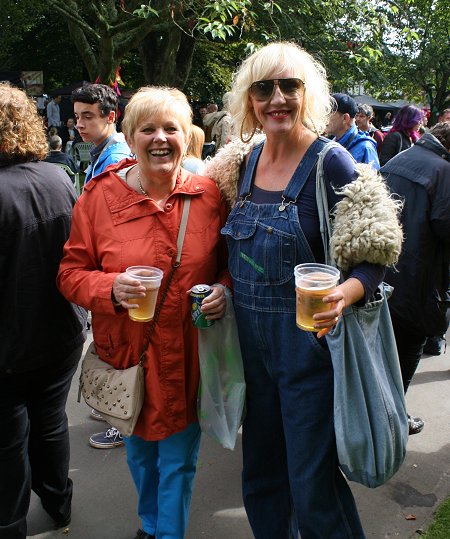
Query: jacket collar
point(430, 142)
point(126, 204)
point(348, 136)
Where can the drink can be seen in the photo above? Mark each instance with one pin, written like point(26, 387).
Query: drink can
point(198, 293)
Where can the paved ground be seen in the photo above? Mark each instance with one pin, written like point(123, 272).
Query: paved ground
point(104, 505)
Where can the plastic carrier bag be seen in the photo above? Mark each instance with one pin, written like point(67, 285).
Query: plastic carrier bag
point(221, 396)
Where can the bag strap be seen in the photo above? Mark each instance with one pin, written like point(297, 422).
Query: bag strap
point(322, 202)
point(401, 142)
point(175, 265)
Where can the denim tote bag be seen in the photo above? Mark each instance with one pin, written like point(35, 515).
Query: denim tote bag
point(370, 419)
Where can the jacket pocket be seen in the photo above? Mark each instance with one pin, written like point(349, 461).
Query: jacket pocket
point(115, 349)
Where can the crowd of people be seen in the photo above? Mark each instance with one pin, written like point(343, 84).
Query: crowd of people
point(252, 217)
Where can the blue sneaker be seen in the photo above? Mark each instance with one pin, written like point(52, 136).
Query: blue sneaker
point(107, 440)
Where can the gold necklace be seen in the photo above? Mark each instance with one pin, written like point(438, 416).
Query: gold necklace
point(144, 192)
point(141, 189)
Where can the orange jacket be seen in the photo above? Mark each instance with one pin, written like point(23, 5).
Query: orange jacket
point(114, 227)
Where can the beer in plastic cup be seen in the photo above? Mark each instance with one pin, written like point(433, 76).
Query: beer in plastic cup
point(313, 282)
point(150, 278)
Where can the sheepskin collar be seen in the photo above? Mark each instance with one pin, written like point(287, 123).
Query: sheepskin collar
point(366, 226)
point(224, 167)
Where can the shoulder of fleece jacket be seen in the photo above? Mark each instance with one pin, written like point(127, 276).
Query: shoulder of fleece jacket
point(225, 166)
point(366, 226)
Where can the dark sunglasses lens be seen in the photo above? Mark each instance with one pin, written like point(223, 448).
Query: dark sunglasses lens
point(290, 86)
point(262, 89)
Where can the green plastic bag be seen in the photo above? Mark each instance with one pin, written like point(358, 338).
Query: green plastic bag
point(221, 397)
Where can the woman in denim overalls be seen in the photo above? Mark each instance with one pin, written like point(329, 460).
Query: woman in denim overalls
point(291, 479)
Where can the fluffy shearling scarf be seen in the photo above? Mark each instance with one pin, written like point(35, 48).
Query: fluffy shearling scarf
point(366, 227)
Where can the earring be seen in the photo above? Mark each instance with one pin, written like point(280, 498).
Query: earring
point(242, 134)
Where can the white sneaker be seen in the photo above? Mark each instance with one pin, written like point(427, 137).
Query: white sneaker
point(97, 415)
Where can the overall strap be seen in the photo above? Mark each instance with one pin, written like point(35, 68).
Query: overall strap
point(302, 172)
point(247, 182)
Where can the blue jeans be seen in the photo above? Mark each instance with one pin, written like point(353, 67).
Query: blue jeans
point(291, 478)
point(34, 444)
point(163, 473)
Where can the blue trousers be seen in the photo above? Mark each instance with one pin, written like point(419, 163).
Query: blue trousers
point(34, 444)
point(163, 473)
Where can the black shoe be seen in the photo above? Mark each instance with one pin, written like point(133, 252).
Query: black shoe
point(60, 521)
point(141, 534)
point(415, 425)
point(434, 346)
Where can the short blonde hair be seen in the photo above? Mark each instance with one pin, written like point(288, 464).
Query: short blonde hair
point(266, 63)
point(154, 100)
point(22, 131)
point(196, 143)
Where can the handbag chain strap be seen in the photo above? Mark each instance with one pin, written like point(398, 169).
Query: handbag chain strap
point(175, 265)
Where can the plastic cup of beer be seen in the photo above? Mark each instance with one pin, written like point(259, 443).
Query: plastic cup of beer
point(312, 283)
point(151, 278)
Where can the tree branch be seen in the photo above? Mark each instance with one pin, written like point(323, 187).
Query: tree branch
point(84, 48)
point(70, 11)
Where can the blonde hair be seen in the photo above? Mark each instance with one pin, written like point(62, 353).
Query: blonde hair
point(22, 130)
point(266, 63)
point(196, 143)
point(154, 100)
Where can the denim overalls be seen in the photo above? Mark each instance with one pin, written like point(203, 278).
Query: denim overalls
point(291, 478)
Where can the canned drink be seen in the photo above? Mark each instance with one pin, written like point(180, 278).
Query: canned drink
point(198, 293)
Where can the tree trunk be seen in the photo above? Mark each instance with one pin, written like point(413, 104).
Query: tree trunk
point(107, 63)
point(167, 57)
point(184, 60)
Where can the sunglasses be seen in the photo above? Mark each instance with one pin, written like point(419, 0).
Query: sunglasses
point(263, 90)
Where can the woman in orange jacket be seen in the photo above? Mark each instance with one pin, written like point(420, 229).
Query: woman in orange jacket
point(130, 215)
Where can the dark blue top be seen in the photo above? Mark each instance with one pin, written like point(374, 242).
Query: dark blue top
point(339, 169)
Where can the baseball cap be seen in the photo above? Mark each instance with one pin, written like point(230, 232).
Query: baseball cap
point(346, 104)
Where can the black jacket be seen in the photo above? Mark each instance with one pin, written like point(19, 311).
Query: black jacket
point(393, 143)
point(56, 156)
point(38, 326)
point(421, 176)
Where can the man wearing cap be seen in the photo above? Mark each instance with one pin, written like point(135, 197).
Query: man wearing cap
point(342, 125)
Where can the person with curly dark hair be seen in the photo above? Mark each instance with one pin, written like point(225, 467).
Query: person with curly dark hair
point(42, 334)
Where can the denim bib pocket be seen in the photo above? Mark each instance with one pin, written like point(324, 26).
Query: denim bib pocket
point(259, 253)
